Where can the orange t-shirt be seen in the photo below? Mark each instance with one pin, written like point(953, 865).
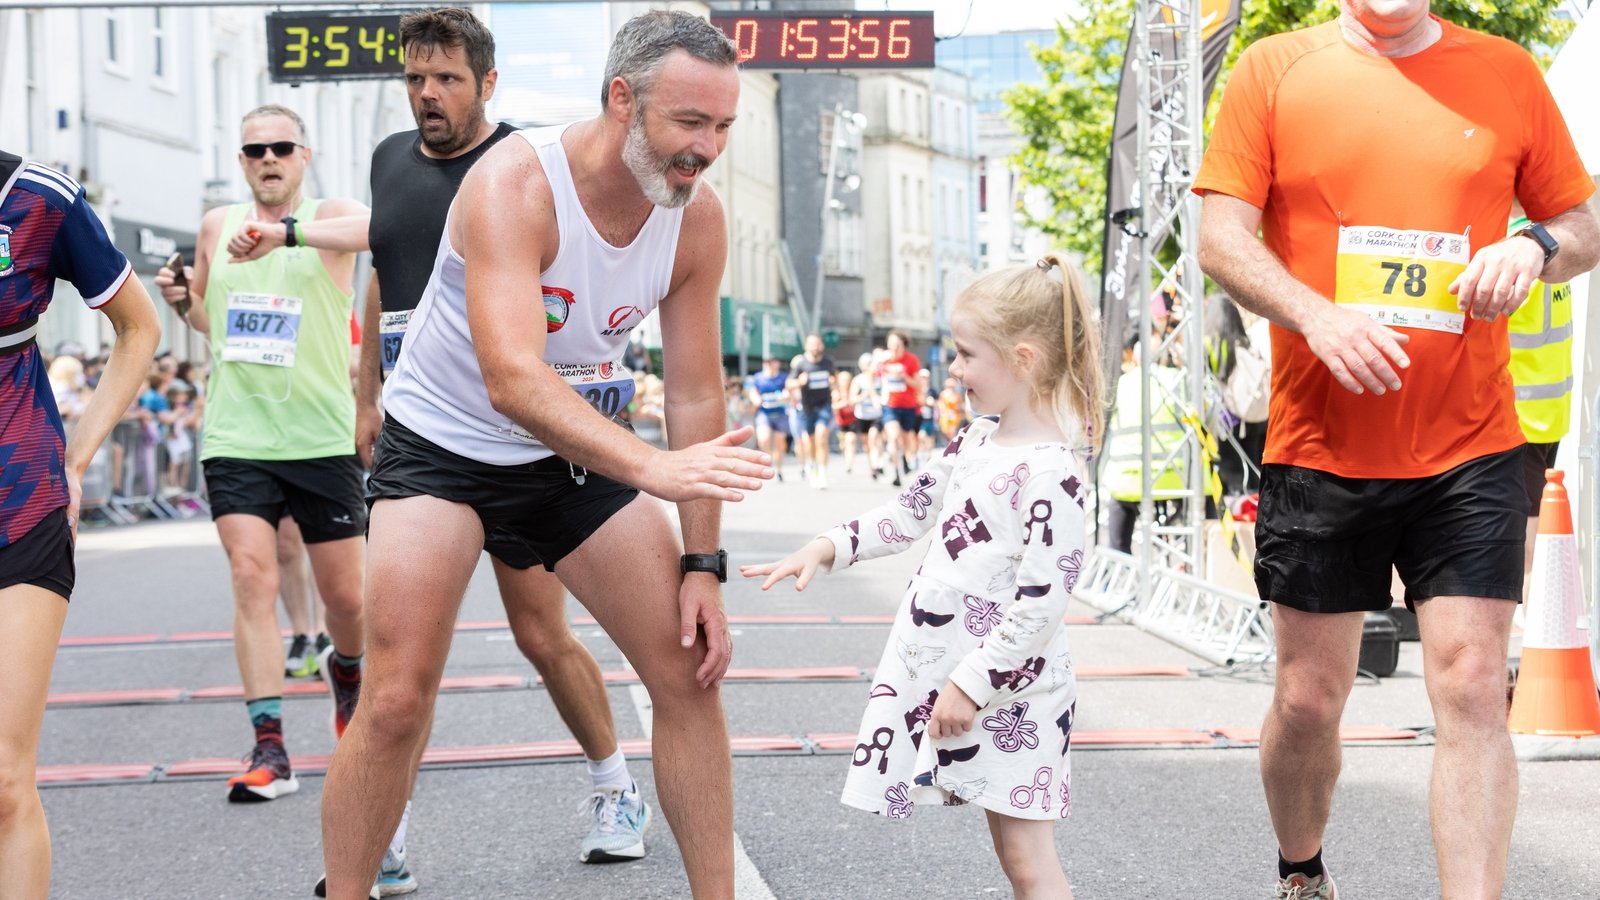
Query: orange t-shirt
point(1329, 142)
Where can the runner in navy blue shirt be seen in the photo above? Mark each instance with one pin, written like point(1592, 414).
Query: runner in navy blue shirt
point(47, 232)
point(769, 390)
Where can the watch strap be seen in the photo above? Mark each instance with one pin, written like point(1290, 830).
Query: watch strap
point(291, 234)
point(712, 563)
point(1541, 236)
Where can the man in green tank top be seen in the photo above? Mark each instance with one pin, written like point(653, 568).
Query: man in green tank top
point(271, 287)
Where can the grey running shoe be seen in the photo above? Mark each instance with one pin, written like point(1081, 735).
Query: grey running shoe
point(620, 820)
point(1299, 887)
point(394, 877)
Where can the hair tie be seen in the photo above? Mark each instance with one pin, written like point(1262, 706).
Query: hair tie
point(1044, 263)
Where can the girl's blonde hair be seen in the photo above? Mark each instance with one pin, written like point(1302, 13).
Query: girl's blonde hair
point(1045, 304)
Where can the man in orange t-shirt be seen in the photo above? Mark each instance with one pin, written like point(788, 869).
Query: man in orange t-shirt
point(1378, 155)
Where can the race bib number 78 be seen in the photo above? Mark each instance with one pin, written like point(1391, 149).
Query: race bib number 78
point(1402, 278)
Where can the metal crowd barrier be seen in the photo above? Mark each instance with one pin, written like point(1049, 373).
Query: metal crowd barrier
point(132, 477)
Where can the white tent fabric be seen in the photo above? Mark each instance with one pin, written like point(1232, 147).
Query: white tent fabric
point(1572, 78)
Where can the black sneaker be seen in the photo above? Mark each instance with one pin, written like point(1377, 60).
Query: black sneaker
point(343, 686)
point(301, 660)
point(268, 777)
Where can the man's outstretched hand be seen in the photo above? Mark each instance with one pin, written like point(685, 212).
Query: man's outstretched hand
point(718, 469)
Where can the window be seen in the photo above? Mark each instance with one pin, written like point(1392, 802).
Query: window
point(162, 38)
point(905, 201)
point(842, 255)
point(983, 184)
point(922, 218)
point(116, 42)
point(37, 111)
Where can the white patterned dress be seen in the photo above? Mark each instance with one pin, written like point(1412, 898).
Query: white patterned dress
point(983, 610)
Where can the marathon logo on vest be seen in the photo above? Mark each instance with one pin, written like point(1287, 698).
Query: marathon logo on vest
point(622, 320)
point(557, 306)
point(6, 268)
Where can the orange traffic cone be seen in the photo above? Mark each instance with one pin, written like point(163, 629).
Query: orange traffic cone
point(1555, 701)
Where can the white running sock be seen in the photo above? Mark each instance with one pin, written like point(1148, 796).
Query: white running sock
point(397, 844)
point(611, 772)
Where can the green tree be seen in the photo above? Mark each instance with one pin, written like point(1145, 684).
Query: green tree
point(1065, 122)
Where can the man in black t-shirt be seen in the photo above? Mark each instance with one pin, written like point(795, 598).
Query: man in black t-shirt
point(813, 376)
point(450, 77)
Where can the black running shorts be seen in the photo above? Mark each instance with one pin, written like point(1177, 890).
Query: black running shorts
point(42, 557)
point(322, 495)
point(1536, 458)
point(532, 514)
point(1326, 543)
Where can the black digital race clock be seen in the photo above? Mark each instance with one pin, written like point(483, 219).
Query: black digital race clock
point(846, 39)
point(328, 45)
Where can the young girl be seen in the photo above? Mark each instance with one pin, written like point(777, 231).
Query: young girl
point(973, 700)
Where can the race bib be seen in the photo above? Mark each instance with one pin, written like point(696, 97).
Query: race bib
point(392, 330)
point(818, 381)
point(772, 399)
point(262, 328)
point(608, 387)
point(1402, 278)
point(894, 380)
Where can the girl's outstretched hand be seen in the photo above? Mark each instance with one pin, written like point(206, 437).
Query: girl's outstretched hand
point(802, 564)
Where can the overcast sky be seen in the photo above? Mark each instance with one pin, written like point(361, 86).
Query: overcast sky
point(988, 16)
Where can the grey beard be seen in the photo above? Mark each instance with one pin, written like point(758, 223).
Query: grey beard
point(650, 171)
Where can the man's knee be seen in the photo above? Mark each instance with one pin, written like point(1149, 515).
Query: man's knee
point(396, 710)
point(17, 789)
point(545, 642)
point(1310, 699)
point(1467, 681)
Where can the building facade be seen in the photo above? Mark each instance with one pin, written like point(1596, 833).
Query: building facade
point(995, 63)
point(142, 105)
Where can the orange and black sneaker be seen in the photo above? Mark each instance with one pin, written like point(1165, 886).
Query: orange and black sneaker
point(268, 777)
point(344, 685)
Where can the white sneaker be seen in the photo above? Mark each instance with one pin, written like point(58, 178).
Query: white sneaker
point(1299, 887)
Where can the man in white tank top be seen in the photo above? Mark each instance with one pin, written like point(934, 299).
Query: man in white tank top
point(499, 433)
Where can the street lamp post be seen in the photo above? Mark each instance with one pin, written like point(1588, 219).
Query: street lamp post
point(842, 120)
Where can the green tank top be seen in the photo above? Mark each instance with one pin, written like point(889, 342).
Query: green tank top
point(280, 354)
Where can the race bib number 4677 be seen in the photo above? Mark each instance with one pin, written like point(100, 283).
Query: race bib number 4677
point(1402, 278)
point(262, 328)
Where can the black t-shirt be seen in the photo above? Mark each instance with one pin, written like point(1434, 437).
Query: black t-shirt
point(816, 381)
point(411, 196)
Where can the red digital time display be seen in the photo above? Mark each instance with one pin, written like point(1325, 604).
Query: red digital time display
point(849, 39)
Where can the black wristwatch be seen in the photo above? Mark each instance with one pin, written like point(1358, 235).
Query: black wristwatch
point(288, 232)
point(715, 563)
point(1539, 235)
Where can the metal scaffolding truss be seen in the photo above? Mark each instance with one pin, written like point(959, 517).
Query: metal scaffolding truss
point(1223, 627)
point(1170, 124)
point(1164, 588)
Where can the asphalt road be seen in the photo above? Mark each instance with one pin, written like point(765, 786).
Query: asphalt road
point(1149, 820)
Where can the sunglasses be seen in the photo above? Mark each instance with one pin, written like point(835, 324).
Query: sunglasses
point(280, 149)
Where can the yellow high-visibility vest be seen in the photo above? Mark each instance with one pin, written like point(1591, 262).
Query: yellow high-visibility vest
point(1125, 444)
point(1541, 362)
